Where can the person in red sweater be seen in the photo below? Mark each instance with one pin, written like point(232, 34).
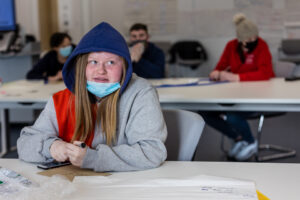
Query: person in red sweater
point(246, 58)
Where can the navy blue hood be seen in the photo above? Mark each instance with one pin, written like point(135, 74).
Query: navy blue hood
point(102, 37)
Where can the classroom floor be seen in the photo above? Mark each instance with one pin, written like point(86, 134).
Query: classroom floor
point(283, 130)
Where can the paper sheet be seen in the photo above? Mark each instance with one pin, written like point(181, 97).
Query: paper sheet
point(183, 82)
point(172, 81)
point(199, 187)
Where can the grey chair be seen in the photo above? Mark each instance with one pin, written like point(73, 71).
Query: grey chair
point(184, 131)
point(289, 51)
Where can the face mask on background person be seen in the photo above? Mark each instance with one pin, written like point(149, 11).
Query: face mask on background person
point(137, 41)
point(251, 45)
point(102, 89)
point(66, 51)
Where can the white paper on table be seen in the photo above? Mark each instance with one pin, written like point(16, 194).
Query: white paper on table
point(198, 187)
point(172, 81)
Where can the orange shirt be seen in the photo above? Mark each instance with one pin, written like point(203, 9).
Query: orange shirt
point(64, 103)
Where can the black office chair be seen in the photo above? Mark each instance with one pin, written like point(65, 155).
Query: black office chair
point(186, 54)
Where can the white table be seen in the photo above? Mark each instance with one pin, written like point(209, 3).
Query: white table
point(277, 181)
point(273, 95)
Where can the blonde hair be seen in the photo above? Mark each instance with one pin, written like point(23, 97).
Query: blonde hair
point(86, 112)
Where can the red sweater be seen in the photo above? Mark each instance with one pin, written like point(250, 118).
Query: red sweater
point(65, 115)
point(257, 65)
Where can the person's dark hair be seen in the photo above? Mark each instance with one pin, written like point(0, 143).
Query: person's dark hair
point(241, 52)
point(57, 38)
point(138, 26)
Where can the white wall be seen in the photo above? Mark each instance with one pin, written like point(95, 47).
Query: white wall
point(209, 21)
point(27, 16)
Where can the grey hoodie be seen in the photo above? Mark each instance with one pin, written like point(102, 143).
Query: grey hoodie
point(141, 132)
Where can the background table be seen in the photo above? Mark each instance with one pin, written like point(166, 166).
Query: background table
point(273, 95)
point(23, 94)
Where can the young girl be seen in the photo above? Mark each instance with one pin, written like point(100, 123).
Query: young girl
point(114, 112)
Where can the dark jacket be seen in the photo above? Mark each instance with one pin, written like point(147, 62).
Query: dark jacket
point(47, 66)
point(151, 64)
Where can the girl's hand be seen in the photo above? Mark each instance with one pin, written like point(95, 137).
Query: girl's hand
point(214, 75)
point(136, 52)
point(58, 151)
point(55, 78)
point(228, 76)
point(76, 153)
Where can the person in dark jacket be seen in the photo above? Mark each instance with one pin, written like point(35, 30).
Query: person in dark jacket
point(50, 66)
point(148, 60)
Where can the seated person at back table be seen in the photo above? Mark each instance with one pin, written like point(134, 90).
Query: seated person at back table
point(50, 66)
point(116, 113)
point(246, 58)
point(148, 60)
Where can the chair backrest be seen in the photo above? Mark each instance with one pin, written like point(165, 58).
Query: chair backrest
point(164, 46)
point(189, 53)
point(184, 131)
point(290, 46)
point(289, 50)
point(283, 68)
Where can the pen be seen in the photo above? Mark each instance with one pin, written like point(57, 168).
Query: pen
point(82, 145)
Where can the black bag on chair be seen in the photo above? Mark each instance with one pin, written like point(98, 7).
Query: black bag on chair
point(188, 53)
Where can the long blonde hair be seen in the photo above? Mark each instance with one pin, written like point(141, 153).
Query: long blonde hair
point(86, 112)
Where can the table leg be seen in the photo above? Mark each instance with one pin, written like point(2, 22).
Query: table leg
point(4, 132)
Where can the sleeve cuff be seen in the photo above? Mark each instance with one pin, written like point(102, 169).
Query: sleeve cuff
point(89, 159)
point(46, 147)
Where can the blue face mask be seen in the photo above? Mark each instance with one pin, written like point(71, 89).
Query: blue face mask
point(102, 89)
point(66, 51)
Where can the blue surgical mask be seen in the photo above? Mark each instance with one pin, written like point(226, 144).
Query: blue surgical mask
point(102, 89)
point(66, 51)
